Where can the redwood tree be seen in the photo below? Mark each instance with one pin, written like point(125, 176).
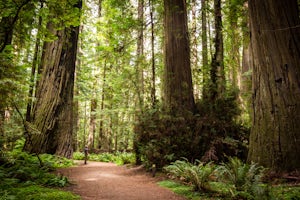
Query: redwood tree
point(178, 90)
point(275, 136)
point(52, 112)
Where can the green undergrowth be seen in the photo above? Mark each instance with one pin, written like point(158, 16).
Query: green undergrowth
point(36, 192)
point(25, 176)
point(120, 158)
point(231, 180)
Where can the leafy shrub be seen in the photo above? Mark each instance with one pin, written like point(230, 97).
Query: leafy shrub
point(36, 192)
point(234, 179)
point(212, 133)
point(245, 178)
point(78, 156)
point(199, 174)
point(23, 168)
point(124, 158)
point(56, 161)
point(178, 169)
point(120, 158)
point(23, 173)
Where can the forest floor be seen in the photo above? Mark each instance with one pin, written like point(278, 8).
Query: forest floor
point(107, 181)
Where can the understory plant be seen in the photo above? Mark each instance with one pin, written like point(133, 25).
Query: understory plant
point(120, 158)
point(198, 174)
point(233, 179)
point(22, 170)
point(246, 179)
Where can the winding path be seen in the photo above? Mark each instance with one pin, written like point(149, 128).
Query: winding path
point(106, 181)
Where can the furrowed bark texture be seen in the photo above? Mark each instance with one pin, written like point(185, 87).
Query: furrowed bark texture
point(178, 90)
point(53, 109)
point(275, 136)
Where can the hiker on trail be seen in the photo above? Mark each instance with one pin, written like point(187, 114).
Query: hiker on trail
point(86, 151)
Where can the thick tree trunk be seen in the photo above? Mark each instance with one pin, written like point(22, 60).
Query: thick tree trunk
point(275, 136)
point(178, 90)
point(53, 109)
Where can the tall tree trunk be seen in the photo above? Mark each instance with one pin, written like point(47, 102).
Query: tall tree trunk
point(92, 130)
point(7, 24)
point(194, 48)
point(233, 34)
point(53, 109)
point(217, 74)
point(76, 119)
point(153, 88)
point(35, 63)
point(101, 125)
point(205, 67)
point(178, 89)
point(140, 57)
point(274, 139)
point(6, 35)
point(6, 32)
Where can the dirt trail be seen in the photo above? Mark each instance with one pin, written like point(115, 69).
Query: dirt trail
point(106, 181)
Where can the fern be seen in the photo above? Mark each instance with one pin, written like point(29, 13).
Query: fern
point(179, 168)
point(200, 175)
point(245, 178)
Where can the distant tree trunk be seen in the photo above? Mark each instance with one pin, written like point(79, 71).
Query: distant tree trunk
point(178, 89)
point(153, 88)
point(92, 130)
point(7, 24)
point(2, 133)
point(6, 32)
point(233, 34)
point(245, 75)
point(194, 48)
point(52, 113)
point(101, 125)
point(140, 57)
point(35, 63)
point(6, 35)
point(76, 120)
point(274, 139)
point(217, 74)
point(205, 67)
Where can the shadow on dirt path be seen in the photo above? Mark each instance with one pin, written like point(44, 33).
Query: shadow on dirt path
point(107, 181)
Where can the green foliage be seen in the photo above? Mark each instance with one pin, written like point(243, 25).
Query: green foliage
point(210, 134)
point(234, 179)
point(183, 190)
point(245, 178)
point(120, 158)
point(36, 192)
point(124, 158)
point(286, 192)
point(23, 175)
point(24, 168)
point(198, 174)
point(78, 156)
point(179, 168)
point(242, 176)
